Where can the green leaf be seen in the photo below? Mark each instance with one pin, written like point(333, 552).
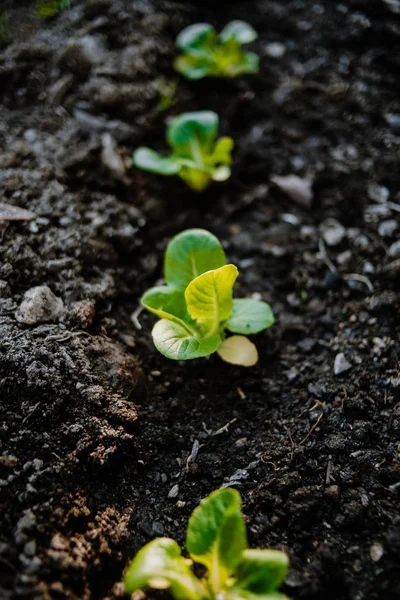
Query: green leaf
point(249, 63)
point(216, 535)
point(238, 350)
point(209, 298)
point(165, 301)
point(149, 160)
point(195, 178)
point(191, 253)
point(178, 342)
point(249, 316)
point(191, 135)
point(191, 67)
point(241, 31)
point(160, 565)
point(261, 571)
point(200, 36)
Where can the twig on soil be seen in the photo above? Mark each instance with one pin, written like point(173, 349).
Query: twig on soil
point(241, 393)
point(223, 429)
point(193, 455)
point(311, 430)
point(329, 469)
point(134, 317)
point(31, 412)
point(325, 257)
point(360, 278)
point(292, 444)
point(65, 338)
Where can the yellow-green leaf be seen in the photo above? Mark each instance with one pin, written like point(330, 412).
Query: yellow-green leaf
point(209, 298)
point(160, 565)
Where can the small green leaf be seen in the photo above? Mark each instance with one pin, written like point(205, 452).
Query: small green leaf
point(191, 135)
point(249, 316)
point(191, 253)
point(200, 36)
point(196, 179)
point(261, 571)
point(191, 67)
point(160, 565)
point(149, 160)
point(250, 63)
point(238, 350)
point(209, 298)
point(178, 342)
point(241, 31)
point(216, 535)
point(164, 301)
point(222, 152)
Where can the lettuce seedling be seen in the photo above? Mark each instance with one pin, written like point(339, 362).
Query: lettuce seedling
point(205, 52)
point(215, 538)
point(196, 157)
point(196, 306)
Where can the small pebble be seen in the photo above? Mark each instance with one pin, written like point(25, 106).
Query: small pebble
point(341, 364)
point(376, 551)
point(387, 228)
point(394, 250)
point(332, 231)
point(275, 50)
point(39, 305)
point(378, 193)
point(174, 491)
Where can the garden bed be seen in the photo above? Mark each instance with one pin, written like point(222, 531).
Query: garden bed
point(98, 428)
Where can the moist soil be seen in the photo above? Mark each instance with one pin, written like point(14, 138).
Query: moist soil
point(105, 444)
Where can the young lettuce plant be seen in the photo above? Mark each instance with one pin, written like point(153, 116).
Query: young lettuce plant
point(215, 538)
point(196, 155)
point(196, 306)
point(205, 52)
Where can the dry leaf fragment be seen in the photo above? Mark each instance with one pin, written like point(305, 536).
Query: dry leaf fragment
point(8, 212)
point(298, 189)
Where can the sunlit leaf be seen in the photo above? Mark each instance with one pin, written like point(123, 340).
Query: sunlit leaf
point(216, 535)
point(177, 342)
point(160, 565)
point(149, 160)
point(191, 253)
point(209, 297)
point(249, 316)
point(164, 301)
point(200, 36)
point(192, 134)
point(191, 67)
point(241, 31)
point(261, 571)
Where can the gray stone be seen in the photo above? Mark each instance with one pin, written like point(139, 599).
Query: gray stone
point(39, 305)
point(394, 250)
point(378, 193)
point(341, 364)
point(387, 228)
point(332, 231)
point(275, 49)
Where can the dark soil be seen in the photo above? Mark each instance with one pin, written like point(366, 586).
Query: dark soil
point(97, 426)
